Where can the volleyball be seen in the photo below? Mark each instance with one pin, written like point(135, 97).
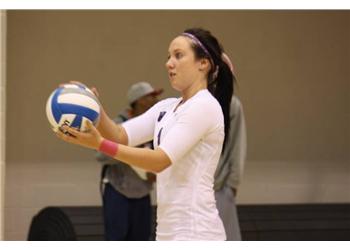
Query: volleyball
point(72, 105)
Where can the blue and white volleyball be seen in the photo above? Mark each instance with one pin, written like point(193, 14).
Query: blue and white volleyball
point(72, 105)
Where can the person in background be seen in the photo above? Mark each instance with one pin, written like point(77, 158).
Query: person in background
point(126, 189)
point(230, 170)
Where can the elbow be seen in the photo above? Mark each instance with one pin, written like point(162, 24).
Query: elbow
point(161, 161)
point(161, 167)
point(157, 171)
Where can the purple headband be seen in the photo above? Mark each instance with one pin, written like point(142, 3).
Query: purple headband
point(196, 41)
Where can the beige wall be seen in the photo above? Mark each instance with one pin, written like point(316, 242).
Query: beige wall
point(293, 82)
point(2, 117)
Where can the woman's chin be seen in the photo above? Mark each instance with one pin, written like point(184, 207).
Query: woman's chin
point(174, 85)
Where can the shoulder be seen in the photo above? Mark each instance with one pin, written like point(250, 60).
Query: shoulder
point(207, 103)
point(167, 101)
point(163, 104)
point(205, 106)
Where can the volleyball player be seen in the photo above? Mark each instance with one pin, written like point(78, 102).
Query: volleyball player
point(188, 135)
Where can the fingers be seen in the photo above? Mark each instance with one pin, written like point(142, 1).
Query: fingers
point(71, 82)
point(90, 138)
point(71, 131)
point(65, 136)
point(71, 135)
point(61, 85)
point(74, 132)
point(94, 90)
point(75, 82)
point(88, 124)
point(90, 127)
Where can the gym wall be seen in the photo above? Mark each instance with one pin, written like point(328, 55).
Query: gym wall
point(293, 80)
point(2, 118)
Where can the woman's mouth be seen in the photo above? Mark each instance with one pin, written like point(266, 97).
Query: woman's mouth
point(171, 75)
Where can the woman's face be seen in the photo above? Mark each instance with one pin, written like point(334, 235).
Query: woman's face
point(183, 68)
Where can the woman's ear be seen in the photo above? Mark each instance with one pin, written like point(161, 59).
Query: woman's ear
point(204, 64)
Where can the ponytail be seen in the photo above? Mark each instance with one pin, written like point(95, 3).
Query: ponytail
point(222, 89)
point(220, 78)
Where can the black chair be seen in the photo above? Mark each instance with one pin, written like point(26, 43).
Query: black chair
point(67, 223)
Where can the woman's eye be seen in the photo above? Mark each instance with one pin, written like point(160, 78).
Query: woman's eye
point(178, 55)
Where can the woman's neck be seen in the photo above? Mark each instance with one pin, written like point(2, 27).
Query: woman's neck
point(192, 90)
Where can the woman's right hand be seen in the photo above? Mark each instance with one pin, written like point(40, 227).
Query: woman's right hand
point(91, 138)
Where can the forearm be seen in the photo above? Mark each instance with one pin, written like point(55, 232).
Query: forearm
point(150, 160)
point(147, 159)
point(110, 130)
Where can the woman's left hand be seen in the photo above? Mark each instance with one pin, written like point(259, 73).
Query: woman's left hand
point(91, 138)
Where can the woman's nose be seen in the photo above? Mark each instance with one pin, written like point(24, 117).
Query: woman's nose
point(169, 64)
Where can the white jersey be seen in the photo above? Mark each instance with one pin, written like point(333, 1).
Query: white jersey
point(192, 137)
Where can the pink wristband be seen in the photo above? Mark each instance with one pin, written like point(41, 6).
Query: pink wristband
point(108, 147)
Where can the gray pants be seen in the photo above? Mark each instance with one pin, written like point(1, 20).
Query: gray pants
point(226, 204)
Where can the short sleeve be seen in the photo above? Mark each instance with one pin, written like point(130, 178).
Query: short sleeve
point(191, 126)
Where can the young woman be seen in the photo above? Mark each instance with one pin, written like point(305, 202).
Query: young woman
point(188, 134)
